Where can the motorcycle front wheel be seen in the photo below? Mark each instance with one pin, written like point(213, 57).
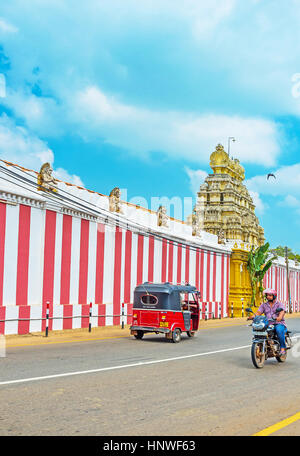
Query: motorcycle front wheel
point(257, 355)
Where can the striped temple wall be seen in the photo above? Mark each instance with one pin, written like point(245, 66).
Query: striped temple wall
point(276, 277)
point(68, 261)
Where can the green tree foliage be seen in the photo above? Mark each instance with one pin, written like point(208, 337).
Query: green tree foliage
point(259, 262)
point(280, 251)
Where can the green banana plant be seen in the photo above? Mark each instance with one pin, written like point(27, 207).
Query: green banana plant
point(258, 264)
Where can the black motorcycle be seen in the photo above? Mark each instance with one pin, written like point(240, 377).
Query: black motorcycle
point(265, 343)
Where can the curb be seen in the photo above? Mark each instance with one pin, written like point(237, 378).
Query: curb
point(106, 333)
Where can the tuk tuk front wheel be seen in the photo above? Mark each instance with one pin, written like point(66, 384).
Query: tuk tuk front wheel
point(190, 333)
point(139, 335)
point(176, 335)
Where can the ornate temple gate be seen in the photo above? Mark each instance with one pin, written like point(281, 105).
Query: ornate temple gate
point(239, 285)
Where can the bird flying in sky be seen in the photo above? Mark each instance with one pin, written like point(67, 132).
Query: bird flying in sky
point(271, 175)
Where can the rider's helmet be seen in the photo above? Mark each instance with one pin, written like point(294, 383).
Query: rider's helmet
point(270, 291)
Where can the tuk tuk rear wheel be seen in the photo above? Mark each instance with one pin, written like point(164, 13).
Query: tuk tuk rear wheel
point(176, 335)
point(190, 333)
point(139, 335)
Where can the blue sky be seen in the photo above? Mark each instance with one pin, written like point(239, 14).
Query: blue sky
point(137, 94)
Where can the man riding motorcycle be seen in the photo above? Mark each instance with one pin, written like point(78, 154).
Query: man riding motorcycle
point(269, 309)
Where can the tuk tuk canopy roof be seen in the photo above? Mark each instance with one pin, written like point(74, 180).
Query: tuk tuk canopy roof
point(167, 294)
point(166, 287)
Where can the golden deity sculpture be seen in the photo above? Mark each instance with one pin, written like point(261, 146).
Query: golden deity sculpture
point(114, 200)
point(45, 180)
point(162, 218)
point(224, 202)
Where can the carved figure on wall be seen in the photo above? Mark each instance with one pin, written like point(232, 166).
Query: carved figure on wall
point(114, 200)
point(162, 218)
point(45, 179)
point(221, 237)
point(195, 223)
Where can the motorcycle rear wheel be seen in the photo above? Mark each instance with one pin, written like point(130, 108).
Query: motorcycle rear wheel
point(258, 358)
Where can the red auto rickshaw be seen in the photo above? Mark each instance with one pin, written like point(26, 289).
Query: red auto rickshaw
point(164, 308)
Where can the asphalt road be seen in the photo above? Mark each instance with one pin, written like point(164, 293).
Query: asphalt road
point(202, 386)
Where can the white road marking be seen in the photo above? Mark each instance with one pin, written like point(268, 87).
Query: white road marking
point(104, 369)
point(141, 363)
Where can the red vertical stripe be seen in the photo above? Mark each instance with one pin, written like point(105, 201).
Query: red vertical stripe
point(280, 294)
point(66, 260)
point(214, 276)
point(117, 276)
point(23, 323)
point(227, 288)
point(140, 255)
point(201, 274)
point(127, 272)
point(129, 313)
point(23, 256)
point(85, 311)
point(187, 264)
point(99, 263)
point(197, 278)
point(68, 312)
point(2, 245)
point(151, 259)
point(2, 317)
point(179, 260)
point(170, 263)
point(208, 278)
point(222, 279)
point(83, 262)
point(164, 261)
point(102, 313)
point(210, 309)
point(49, 257)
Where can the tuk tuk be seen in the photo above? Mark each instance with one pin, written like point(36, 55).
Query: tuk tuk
point(164, 308)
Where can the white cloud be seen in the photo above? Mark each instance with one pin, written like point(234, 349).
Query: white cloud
point(197, 178)
point(285, 188)
point(260, 206)
point(6, 27)
point(179, 135)
point(41, 114)
point(18, 146)
point(287, 182)
point(65, 176)
point(291, 201)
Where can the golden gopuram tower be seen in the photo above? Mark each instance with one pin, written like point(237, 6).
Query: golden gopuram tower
point(224, 207)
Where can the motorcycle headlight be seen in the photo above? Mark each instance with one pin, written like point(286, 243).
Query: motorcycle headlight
point(258, 326)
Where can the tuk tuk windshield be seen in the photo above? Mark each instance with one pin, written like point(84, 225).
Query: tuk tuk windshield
point(188, 301)
point(156, 301)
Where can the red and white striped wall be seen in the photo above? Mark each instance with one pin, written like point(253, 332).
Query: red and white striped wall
point(276, 277)
point(48, 256)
